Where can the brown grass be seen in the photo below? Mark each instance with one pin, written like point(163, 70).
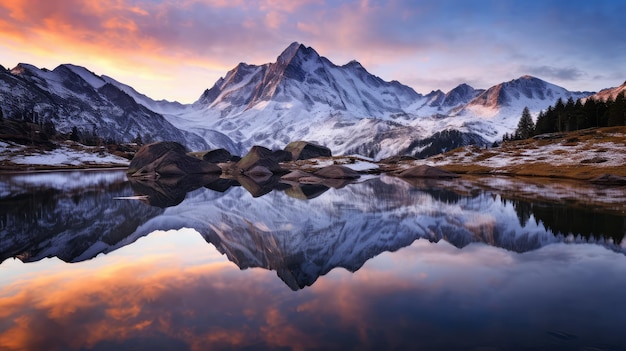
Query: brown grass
point(485, 155)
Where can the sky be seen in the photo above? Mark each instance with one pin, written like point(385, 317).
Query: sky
point(175, 50)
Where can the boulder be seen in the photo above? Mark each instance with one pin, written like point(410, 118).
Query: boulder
point(303, 150)
point(166, 158)
point(282, 156)
point(219, 156)
point(258, 159)
point(337, 172)
point(423, 171)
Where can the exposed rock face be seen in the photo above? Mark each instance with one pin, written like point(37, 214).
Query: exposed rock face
point(282, 156)
point(163, 159)
point(259, 160)
point(220, 156)
point(337, 172)
point(423, 171)
point(303, 150)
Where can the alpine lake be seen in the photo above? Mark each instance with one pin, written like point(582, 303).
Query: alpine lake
point(90, 260)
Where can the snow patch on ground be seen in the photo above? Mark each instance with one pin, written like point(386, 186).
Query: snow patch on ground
point(64, 155)
point(564, 153)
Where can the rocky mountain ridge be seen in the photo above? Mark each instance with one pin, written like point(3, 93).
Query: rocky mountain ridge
point(300, 96)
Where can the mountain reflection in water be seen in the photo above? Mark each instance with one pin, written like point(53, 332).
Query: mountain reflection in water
point(531, 274)
point(299, 231)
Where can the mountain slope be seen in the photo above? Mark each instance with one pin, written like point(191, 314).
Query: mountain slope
point(301, 95)
point(71, 96)
point(305, 96)
point(609, 93)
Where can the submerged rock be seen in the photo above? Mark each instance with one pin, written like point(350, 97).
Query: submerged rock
point(423, 171)
point(303, 150)
point(167, 158)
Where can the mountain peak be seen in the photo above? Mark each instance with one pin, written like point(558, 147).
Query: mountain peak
point(289, 52)
point(21, 68)
point(527, 77)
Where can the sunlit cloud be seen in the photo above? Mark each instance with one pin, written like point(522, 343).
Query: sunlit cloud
point(189, 44)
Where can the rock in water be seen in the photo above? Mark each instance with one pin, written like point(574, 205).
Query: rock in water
point(303, 150)
point(167, 158)
point(423, 171)
point(257, 158)
point(337, 172)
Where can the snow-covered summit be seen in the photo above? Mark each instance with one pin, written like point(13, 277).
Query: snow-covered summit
point(302, 95)
point(72, 96)
point(609, 93)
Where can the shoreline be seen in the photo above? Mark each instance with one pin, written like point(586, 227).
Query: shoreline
point(584, 173)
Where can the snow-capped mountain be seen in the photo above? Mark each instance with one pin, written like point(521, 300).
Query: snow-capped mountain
point(497, 110)
point(609, 93)
point(300, 96)
point(72, 96)
point(305, 96)
point(503, 99)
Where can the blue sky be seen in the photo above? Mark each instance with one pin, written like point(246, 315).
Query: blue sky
point(176, 49)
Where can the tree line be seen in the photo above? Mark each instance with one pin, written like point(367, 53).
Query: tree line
point(572, 115)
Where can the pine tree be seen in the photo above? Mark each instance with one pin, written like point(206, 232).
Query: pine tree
point(617, 111)
point(138, 140)
point(525, 126)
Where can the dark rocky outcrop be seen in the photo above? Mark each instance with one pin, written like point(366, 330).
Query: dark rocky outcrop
point(220, 156)
point(423, 171)
point(258, 161)
point(337, 172)
point(303, 150)
point(163, 159)
point(282, 156)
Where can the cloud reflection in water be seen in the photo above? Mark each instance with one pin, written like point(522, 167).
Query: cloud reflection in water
point(180, 294)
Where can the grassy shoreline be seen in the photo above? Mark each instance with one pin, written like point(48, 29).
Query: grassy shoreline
point(581, 155)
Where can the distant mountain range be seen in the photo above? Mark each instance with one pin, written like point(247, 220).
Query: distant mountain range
point(300, 96)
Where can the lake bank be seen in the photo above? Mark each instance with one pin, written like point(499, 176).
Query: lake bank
point(581, 155)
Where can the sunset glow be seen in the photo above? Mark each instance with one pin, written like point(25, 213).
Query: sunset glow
point(176, 49)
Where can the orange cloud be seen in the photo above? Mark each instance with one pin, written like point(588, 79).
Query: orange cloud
point(195, 306)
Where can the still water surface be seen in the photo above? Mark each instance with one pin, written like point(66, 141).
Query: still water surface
point(384, 264)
